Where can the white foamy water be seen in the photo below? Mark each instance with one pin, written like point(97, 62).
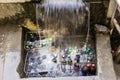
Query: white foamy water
point(63, 4)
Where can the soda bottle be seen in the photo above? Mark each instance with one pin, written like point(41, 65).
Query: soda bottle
point(69, 61)
point(76, 67)
point(87, 50)
point(43, 44)
point(80, 73)
point(77, 58)
point(89, 59)
point(63, 60)
point(63, 64)
point(69, 51)
point(31, 36)
point(54, 59)
point(88, 65)
point(93, 69)
point(27, 47)
point(53, 44)
point(85, 70)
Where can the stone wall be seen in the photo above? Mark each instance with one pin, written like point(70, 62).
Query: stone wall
point(16, 13)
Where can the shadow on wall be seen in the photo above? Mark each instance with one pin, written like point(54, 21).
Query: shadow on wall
point(20, 68)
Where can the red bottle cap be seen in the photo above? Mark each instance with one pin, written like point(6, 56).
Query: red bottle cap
point(88, 65)
point(93, 65)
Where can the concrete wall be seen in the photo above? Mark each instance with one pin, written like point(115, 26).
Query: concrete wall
point(111, 9)
point(9, 10)
point(10, 51)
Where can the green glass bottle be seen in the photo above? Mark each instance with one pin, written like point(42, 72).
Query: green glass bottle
point(87, 50)
point(69, 51)
point(52, 44)
point(31, 35)
point(43, 44)
point(27, 47)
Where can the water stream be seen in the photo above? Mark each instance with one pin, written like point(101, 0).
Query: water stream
point(65, 13)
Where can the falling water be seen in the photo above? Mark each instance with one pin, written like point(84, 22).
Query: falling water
point(63, 4)
point(59, 8)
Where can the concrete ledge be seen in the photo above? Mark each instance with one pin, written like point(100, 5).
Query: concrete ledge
point(104, 56)
point(65, 78)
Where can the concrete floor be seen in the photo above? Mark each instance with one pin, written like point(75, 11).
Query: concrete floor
point(10, 50)
point(10, 55)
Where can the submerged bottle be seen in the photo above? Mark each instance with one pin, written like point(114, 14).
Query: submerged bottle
point(93, 69)
point(87, 51)
point(76, 67)
point(43, 44)
point(31, 37)
point(63, 60)
point(69, 51)
point(85, 70)
point(27, 47)
point(69, 61)
point(77, 58)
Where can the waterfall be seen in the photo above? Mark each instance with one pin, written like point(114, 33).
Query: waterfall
point(58, 9)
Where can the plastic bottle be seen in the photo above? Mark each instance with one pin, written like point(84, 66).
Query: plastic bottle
point(77, 58)
point(93, 69)
point(85, 70)
point(31, 35)
point(69, 51)
point(87, 51)
point(69, 61)
point(76, 67)
point(27, 47)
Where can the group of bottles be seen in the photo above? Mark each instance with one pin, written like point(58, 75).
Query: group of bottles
point(87, 70)
point(66, 64)
point(85, 56)
point(30, 41)
point(83, 63)
point(34, 41)
point(66, 60)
